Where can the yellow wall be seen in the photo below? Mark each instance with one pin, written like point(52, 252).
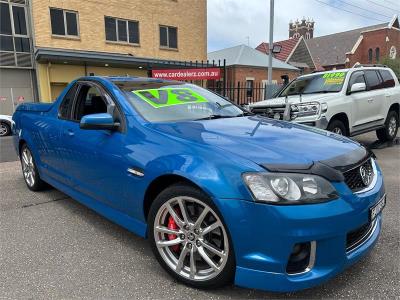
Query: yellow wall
point(189, 16)
point(53, 78)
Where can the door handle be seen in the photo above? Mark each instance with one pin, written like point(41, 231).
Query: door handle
point(370, 100)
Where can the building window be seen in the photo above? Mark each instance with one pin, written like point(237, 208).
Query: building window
point(308, 36)
point(14, 39)
point(168, 37)
point(64, 22)
point(370, 55)
point(249, 88)
point(377, 54)
point(119, 30)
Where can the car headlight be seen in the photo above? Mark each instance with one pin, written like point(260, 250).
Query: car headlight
point(289, 188)
point(304, 109)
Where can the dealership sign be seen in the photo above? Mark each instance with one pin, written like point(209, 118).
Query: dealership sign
point(187, 74)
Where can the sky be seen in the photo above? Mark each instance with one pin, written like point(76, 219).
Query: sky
point(234, 22)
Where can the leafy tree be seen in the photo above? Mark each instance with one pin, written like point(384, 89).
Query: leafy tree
point(394, 64)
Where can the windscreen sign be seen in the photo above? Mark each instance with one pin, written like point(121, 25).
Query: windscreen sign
point(187, 74)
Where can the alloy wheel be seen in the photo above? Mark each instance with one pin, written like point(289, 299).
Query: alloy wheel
point(191, 238)
point(28, 167)
point(337, 130)
point(3, 129)
point(392, 126)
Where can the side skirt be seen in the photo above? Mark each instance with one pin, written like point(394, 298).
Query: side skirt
point(129, 223)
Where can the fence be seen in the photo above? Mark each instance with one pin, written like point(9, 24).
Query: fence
point(244, 92)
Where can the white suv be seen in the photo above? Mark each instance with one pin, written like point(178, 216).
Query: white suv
point(348, 102)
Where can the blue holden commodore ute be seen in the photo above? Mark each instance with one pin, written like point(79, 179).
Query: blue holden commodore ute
point(222, 195)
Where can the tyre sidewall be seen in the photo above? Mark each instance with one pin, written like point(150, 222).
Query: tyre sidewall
point(390, 115)
point(338, 124)
point(226, 276)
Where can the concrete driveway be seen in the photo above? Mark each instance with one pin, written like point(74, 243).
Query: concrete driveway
point(53, 247)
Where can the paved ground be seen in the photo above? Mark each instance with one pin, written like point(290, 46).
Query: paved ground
point(7, 152)
point(53, 247)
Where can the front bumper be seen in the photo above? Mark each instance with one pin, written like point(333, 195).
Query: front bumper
point(321, 123)
point(263, 237)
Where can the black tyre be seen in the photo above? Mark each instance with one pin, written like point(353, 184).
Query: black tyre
point(338, 127)
point(190, 239)
point(389, 132)
point(5, 129)
point(30, 171)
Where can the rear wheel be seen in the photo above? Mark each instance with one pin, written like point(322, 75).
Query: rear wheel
point(338, 127)
point(189, 238)
point(30, 171)
point(389, 132)
point(5, 129)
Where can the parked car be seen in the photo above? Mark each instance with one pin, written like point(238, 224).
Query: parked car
point(221, 194)
point(5, 125)
point(348, 102)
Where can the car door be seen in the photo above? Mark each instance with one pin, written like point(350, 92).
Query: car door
point(365, 104)
point(94, 159)
point(376, 97)
point(50, 145)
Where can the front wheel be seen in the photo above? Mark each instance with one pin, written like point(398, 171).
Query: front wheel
point(338, 127)
point(389, 132)
point(190, 239)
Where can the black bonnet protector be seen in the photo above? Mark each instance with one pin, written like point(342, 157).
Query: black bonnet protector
point(331, 169)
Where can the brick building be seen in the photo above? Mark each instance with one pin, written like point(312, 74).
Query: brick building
point(248, 67)
point(125, 37)
point(364, 45)
point(375, 44)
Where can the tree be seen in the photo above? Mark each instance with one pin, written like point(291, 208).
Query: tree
point(394, 64)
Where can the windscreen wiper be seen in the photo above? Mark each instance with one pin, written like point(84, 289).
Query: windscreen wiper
point(212, 117)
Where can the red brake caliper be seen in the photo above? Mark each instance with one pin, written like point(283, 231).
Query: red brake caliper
point(172, 225)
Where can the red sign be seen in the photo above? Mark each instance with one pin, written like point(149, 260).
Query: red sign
point(2, 98)
point(187, 74)
point(20, 99)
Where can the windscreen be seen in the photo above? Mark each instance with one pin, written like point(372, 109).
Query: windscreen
point(319, 83)
point(166, 102)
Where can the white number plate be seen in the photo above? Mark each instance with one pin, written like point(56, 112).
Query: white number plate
point(377, 208)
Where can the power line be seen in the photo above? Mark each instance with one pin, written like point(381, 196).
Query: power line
point(381, 5)
point(351, 12)
point(372, 12)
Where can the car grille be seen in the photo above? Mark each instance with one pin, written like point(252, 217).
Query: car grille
point(353, 177)
point(270, 112)
point(358, 236)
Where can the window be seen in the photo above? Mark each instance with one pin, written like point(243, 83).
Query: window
point(373, 80)
point(356, 77)
point(169, 37)
point(64, 111)
point(377, 54)
point(64, 22)
point(89, 101)
point(119, 30)
point(19, 20)
point(5, 19)
point(14, 35)
point(249, 88)
point(388, 80)
point(369, 55)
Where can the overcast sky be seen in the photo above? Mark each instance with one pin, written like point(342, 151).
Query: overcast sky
point(230, 22)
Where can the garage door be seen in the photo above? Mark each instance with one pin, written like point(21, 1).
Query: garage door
point(15, 88)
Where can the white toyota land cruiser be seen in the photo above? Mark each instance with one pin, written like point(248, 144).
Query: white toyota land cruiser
point(348, 102)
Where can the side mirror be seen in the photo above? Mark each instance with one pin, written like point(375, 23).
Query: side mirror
point(102, 121)
point(358, 87)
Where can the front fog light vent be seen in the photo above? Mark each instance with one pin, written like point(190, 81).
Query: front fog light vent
point(302, 258)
